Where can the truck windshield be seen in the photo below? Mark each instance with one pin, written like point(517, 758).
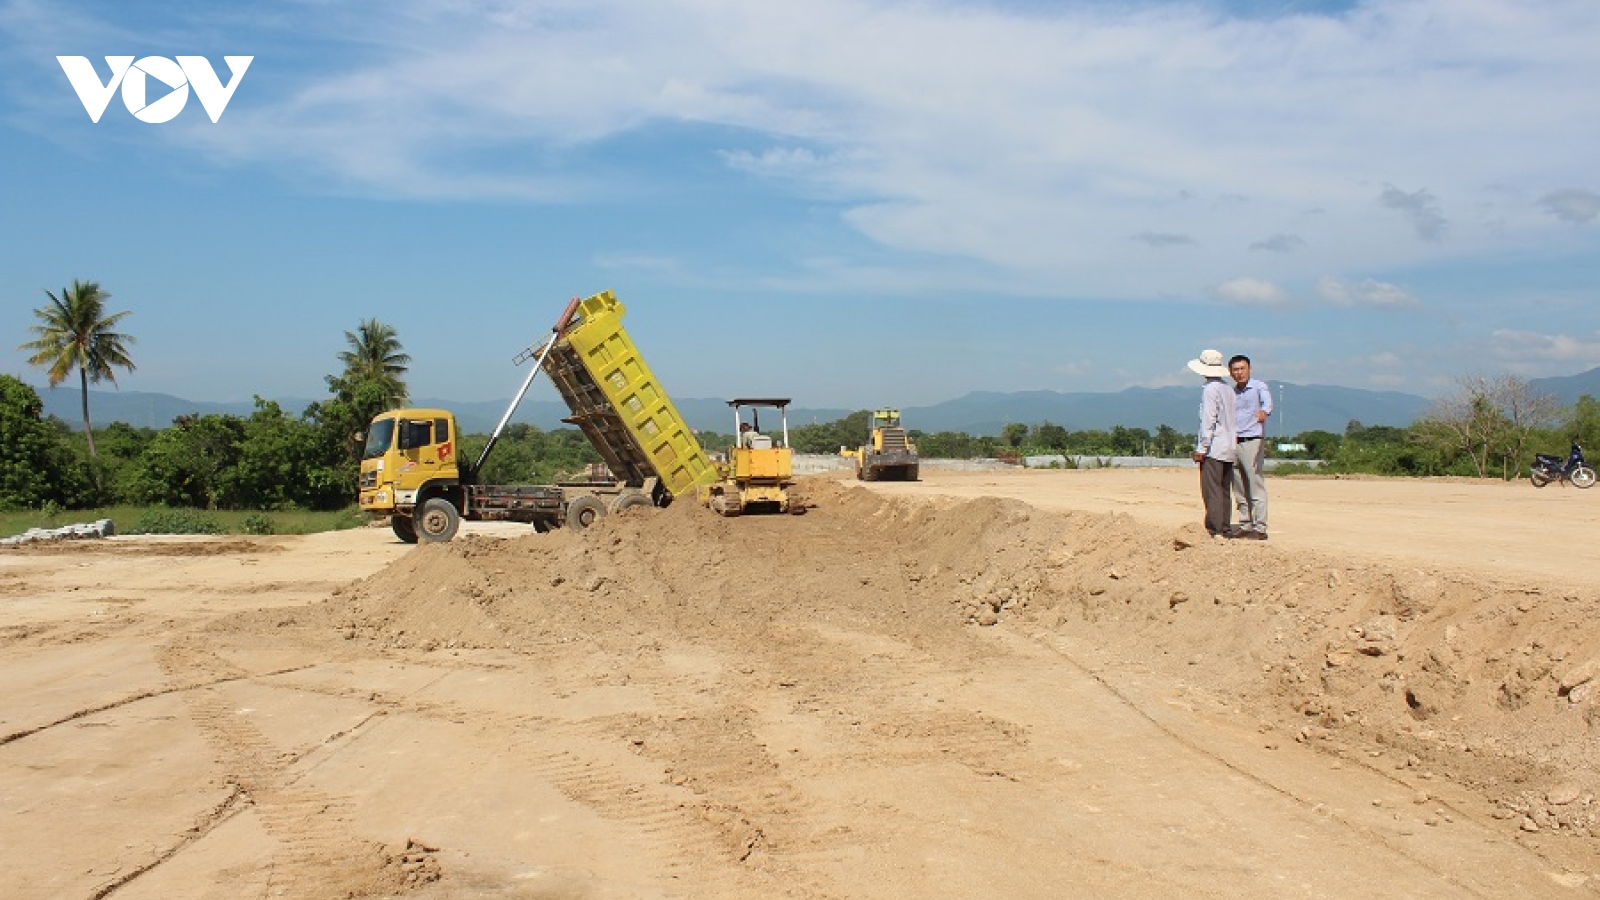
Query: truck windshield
point(378, 438)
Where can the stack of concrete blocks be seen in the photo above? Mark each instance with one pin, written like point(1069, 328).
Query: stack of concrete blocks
point(99, 528)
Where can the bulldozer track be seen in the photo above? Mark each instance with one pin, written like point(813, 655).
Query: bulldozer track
point(131, 699)
point(235, 803)
point(319, 853)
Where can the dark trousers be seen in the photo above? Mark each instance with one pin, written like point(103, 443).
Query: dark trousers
point(1216, 478)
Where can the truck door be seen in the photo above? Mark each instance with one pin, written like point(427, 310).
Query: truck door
point(425, 445)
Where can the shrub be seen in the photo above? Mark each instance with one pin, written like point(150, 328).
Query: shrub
point(175, 521)
point(258, 523)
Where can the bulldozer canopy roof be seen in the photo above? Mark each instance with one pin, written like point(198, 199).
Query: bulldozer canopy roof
point(760, 401)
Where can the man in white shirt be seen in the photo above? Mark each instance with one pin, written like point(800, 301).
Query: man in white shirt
point(1215, 445)
point(1253, 403)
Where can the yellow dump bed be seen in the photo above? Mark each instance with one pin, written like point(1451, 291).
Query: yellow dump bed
point(618, 403)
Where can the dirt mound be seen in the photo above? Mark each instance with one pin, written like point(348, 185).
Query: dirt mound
point(1493, 685)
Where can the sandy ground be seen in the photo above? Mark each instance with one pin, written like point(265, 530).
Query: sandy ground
point(1020, 685)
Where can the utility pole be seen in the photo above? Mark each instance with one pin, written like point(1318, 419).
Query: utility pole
point(1284, 429)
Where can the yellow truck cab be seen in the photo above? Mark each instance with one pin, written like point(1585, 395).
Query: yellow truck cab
point(409, 454)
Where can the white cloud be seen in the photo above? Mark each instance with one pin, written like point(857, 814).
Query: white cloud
point(1280, 243)
point(1031, 144)
point(1421, 208)
point(1251, 292)
point(790, 162)
point(1529, 347)
point(1367, 293)
point(1572, 205)
point(1160, 241)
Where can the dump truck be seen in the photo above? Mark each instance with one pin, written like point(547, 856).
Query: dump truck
point(759, 474)
point(888, 454)
point(411, 471)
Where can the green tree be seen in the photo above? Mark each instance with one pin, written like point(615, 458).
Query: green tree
point(1583, 425)
point(1091, 442)
point(283, 462)
point(1319, 444)
point(28, 470)
point(1051, 437)
point(949, 445)
point(375, 357)
point(527, 454)
point(1168, 441)
point(827, 437)
point(1489, 420)
point(76, 333)
point(1014, 434)
point(370, 383)
point(1129, 441)
point(186, 463)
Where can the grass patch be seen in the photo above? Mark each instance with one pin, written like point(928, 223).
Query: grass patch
point(166, 520)
point(1295, 468)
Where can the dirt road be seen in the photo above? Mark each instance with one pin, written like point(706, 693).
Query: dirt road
point(914, 690)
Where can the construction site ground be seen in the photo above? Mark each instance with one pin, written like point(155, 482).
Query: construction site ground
point(1045, 684)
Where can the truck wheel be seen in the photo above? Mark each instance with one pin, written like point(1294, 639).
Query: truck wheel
point(630, 500)
point(584, 511)
point(404, 529)
point(436, 521)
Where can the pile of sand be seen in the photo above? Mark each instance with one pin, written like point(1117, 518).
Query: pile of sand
point(1493, 685)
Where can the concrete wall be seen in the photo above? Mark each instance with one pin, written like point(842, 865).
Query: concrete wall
point(1142, 462)
point(810, 463)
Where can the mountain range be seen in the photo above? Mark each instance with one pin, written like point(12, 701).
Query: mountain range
point(1301, 407)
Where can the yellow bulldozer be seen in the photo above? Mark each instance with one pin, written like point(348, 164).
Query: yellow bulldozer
point(759, 473)
point(888, 454)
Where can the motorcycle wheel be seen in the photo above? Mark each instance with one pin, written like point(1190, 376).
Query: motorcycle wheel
point(1583, 477)
point(1538, 478)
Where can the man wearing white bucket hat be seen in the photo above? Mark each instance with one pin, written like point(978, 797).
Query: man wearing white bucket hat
point(1216, 446)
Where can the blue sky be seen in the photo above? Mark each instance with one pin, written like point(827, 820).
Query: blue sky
point(849, 202)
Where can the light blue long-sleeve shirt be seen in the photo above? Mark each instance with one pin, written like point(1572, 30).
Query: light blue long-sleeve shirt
point(1249, 400)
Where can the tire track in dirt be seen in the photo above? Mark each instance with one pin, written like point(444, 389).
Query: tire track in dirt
point(319, 853)
point(708, 832)
point(1363, 833)
point(131, 699)
point(235, 803)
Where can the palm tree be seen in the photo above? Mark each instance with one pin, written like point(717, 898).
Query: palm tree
point(375, 357)
point(76, 333)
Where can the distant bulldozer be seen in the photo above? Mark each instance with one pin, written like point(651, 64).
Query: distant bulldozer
point(888, 455)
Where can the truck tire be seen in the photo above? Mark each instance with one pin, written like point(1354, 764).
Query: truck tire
point(630, 500)
point(584, 511)
point(404, 529)
point(436, 521)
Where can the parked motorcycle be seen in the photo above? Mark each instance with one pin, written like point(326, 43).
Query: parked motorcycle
point(1548, 468)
